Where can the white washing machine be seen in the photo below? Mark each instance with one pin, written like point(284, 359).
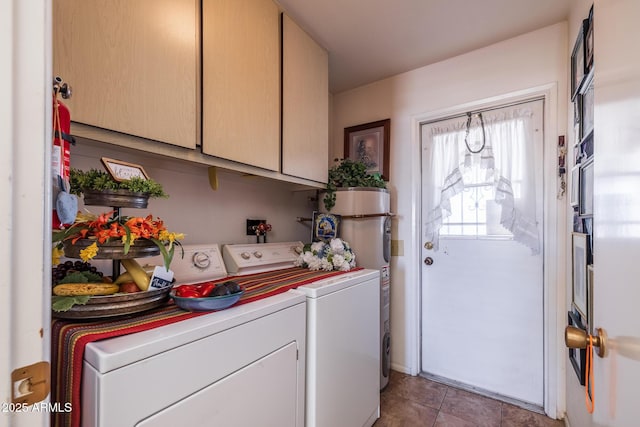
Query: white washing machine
point(343, 337)
point(243, 366)
point(343, 350)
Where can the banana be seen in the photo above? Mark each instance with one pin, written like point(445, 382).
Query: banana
point(127, 277)
point(124, 277)
point(137, 273)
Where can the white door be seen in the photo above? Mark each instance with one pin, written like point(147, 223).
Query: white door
point(25, 208)
point(616, 294)
point(482, 296)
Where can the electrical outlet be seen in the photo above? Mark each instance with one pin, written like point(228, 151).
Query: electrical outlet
point(251, 223)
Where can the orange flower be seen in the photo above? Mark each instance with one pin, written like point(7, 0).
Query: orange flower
point(104, 228)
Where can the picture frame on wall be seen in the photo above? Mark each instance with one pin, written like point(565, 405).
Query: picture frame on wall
point(574, 195)
point(587, 105)
point(369, 144)
point(587, 228)
point(577, 63)
point(585, 202)
point(577, 356)
point(579, 277)
point(577, 120)
point(590, 293)
point(586, 147)
point(588, 43)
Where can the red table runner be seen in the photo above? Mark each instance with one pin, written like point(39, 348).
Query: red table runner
point(69, 337)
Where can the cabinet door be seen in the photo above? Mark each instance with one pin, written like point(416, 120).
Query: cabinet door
point(241, 81)
point(133, 65)
point(305, 105)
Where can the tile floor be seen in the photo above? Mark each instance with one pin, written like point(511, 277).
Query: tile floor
point(418, 402)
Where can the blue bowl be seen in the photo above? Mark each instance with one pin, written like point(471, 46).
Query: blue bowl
point(206, 303)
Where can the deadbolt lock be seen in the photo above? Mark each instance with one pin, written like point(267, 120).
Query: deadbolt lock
point(428, 260)
point(428, 245)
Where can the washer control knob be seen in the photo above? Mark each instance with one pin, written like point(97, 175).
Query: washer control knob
point(257, 254)
point(201, 260)
point(245, 255)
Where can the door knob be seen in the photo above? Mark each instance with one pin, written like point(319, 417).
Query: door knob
point(579, 338)
point(428, 260)
point(428, 245)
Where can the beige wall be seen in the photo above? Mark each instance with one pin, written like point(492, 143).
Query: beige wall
point(531, 60)
point(205, 215)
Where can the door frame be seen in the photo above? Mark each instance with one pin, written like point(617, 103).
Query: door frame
point(25, 190)
point(554, 237)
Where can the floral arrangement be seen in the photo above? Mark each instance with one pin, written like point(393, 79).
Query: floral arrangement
point(105, 228)
point(334, 255)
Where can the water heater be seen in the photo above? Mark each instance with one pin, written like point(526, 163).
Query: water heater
point(366, 226)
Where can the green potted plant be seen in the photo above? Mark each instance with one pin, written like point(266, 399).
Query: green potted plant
point(349, 173)
point(99, 188)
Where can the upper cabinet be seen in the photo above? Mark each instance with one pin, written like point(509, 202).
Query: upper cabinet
point(241, 81)
point(305, 104)
point(133, 65)
point(225, 83)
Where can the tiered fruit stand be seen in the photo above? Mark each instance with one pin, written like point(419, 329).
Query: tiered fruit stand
point(100, 307)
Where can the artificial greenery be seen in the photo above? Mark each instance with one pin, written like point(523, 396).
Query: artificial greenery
point(98, 180)
point(81, 277)
point(349, 173)
point(64, 303)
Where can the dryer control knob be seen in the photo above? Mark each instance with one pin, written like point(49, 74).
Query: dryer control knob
point(257, 254)
point(201, 260)
point(245, 255)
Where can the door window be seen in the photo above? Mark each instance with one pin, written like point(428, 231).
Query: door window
point(481, 177)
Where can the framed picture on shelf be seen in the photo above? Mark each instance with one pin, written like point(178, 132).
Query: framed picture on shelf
point(579, 276)
point(577, 63)
point(585, 201)
point(325, 227)
point(369, 144)
point(123, 171)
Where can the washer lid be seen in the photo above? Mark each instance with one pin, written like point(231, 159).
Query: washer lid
point(333, 284)
point(114, 353)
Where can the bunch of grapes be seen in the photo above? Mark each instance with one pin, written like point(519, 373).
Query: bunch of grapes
point(61, 270)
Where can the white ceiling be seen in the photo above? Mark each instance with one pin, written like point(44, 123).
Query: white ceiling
point(369, 40)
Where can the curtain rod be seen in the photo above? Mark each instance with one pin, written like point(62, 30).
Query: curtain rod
point(483, 110)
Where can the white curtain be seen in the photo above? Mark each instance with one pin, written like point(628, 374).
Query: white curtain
point(507, 162)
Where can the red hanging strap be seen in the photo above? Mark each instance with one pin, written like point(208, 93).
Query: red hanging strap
point(589, 392)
